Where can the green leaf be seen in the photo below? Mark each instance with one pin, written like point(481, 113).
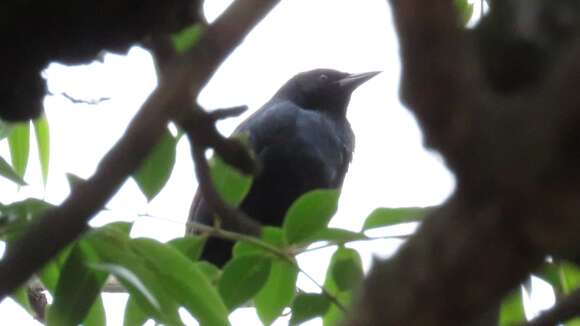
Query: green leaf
point(8, 172)
point(550, 273)
point(242, 278)
point(50, 274)
point(232, 185)
point(16, 216)
point(334, 315)
point(347, 271)
point(134, 316)
point(184, 281)
point(309, 214)
point(278, 291)
point(191, 246)
point(336, 236)
point(19, 142)
point(43, 141)
point(78, 287)
point(465, 10)
point(134, 284)
point(156, 169)
point(382, 217)
point(119, 258)
point(160, 279)
point(96, 315)
point(569, 276)
point(307, 306)
point(573, 322)
point(120, 228)
point(243, 248)
point(570, 279)
point(186, 38)
point(512, 309)
point(211, 272)
point(271, 235)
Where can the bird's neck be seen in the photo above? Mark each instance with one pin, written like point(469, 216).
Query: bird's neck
point(337, 116)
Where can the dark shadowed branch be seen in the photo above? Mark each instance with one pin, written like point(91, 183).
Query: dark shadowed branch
point(182, 80)
point(515, 159)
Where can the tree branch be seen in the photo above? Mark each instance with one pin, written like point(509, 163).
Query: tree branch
point(515, 159)
point(185, 76)
point(202, 134)
point(434, 54)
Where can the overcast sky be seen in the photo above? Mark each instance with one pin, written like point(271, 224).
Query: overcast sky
point(390, 166)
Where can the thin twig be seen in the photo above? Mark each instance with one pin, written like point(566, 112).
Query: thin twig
point(85, 101)
point(325, 292)
point(230, 235)
point(332, 244)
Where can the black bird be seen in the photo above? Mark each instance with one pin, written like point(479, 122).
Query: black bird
point(302, 140)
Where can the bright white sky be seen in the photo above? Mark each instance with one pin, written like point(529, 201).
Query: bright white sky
point(390, 166)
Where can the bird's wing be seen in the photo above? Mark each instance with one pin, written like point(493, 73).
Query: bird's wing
point(347, 141)
point(275, 122)
point(288, 130)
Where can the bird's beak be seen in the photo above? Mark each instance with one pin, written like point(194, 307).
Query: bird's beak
point(352, 81)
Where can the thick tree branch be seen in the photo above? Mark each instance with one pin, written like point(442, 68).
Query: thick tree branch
point(434, 56)
point(186, 76)
point(453, 255)
point(515, 159)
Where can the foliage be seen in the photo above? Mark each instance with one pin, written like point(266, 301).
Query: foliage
point(161, 278)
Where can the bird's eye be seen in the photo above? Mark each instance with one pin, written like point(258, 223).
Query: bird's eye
point(323, 78)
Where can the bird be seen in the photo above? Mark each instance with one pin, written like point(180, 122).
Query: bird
point(302, 141)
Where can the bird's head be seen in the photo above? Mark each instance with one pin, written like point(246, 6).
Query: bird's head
point(323, 89)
